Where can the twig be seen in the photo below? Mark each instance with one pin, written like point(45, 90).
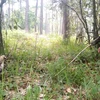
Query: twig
point(77, 55)
point(73, 59)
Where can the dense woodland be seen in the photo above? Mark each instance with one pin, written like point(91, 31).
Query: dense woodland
point(49, 50)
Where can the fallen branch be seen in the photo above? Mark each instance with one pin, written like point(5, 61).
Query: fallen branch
point(73, 59)
point(92, 43)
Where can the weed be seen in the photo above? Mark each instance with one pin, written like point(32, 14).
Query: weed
point(34, 61)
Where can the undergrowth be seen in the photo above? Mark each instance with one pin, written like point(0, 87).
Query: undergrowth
point(33, 62)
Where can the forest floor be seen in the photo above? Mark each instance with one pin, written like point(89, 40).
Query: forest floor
point(33, 62)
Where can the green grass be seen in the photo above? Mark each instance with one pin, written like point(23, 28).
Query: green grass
point(33, 61)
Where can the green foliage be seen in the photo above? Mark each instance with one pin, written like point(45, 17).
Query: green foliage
point(32, 93)
point(73, 75)
point(34, 61)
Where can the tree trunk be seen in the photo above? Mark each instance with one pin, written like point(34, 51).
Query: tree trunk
point(65, 27)
point(52, 23)
point(36, 9)
point(46, 23)
point(27, 17)
point(84, 21)
point(1, 40)
point(95, 29)
point(41, 18)
point(9, 10)
point(57, 24)
point(12, 19)
point(60, 25)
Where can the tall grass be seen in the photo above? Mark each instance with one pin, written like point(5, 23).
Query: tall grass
point(34, 60)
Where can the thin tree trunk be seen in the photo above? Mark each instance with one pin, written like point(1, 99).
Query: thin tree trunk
point(57, 24)
point(9, 9)
point(41, 18)
point(1, 40)
point(84, 22)
point(65, 27)
point(36, 9)
point(95, 29)
point(46, 23)
point(52, 22)
point(60, 25)
point(12, 13)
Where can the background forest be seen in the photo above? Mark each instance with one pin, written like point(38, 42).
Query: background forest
point(51, 49)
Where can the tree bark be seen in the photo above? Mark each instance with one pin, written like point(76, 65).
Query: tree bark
point(84, 22)
point(12, 19)
point(57, 24)
point(52, 28)
point(9, 9)
point(1, 39)
point(46, 23)
point(65, 23)
point(95, 29)
point(36, 10)
point(41, 18)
